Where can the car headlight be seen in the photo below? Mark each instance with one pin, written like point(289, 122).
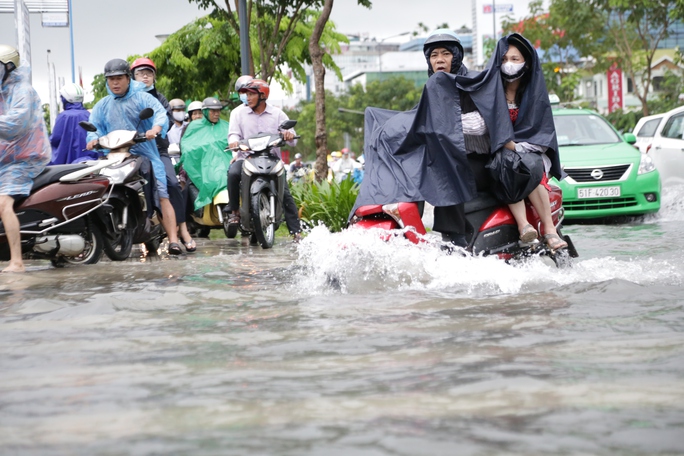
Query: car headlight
point(646, 164)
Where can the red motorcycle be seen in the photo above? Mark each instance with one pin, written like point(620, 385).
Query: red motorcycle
point(492, 230)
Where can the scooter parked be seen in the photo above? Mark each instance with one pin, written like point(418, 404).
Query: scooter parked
point(492, 228)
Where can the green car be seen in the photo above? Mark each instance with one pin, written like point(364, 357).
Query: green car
point(607, 175)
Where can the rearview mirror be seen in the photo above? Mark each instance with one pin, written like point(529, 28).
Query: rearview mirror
point(630, 138)
point(146, 113)
point(87, 126)
point(287, 125)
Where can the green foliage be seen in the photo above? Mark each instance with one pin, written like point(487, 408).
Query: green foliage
point(624, 121)
point(326, 203)
point(46, 117)
point(99, 90)
point(671, 87)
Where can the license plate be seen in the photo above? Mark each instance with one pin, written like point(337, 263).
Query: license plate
point(598, 192)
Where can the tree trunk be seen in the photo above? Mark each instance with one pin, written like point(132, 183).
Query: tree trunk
point(316, 52)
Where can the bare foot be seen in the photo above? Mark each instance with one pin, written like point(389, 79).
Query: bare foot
point(15, 266)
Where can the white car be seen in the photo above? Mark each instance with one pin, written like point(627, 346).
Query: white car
point(644, 131)
point(667, 148)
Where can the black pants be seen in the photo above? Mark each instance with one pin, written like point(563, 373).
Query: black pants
point(452, 219)
point(289, 206)
point(177, 196)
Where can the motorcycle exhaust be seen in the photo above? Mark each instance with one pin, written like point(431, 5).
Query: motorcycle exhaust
point(62, 244)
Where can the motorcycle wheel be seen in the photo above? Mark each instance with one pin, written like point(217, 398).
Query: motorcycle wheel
point(118, 247)
point(93, 250)
point(230, 230)
point(264, 228)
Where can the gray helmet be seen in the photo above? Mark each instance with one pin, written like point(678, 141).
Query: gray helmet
point(177, 103)
point(9, 55)
point(117, 67)
point(211, 103)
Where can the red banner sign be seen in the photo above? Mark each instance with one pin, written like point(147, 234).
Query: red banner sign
point(615, 101)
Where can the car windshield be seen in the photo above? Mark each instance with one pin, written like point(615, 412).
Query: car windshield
point(648, 129)
point(583, 129)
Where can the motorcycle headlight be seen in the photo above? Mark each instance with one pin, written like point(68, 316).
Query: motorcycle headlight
point(118, 175)
point(646, 164)
point(249, 168)
point(259, 144)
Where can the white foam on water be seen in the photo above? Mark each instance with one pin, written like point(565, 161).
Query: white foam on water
point(360, 261)
point(672, 204)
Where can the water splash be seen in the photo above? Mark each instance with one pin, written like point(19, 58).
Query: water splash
point(360, 261)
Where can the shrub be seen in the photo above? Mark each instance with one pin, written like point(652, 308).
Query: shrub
point(324, 202)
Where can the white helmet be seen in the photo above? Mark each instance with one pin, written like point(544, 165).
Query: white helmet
point(73, 93)
point(195, 105)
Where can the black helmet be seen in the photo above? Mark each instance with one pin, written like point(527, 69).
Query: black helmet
point(447, 39)
point(116, 67)
point(211, 103)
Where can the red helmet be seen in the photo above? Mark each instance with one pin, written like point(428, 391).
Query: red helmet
point(242, 81)
point(143, 62)
point(260, 86)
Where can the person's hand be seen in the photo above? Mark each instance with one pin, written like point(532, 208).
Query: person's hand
point(288, 135)
point(91, 145)
point(510, 145)
point(234, 145)
point(153, 132)
point(233, 160)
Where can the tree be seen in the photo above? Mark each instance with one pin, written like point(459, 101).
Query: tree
point(317, 55)
point(279, 32)
point(634, 35)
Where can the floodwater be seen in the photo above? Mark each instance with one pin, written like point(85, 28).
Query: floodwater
point(352, 346)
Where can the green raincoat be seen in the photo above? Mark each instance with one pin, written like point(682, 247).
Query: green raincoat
point(205, 159)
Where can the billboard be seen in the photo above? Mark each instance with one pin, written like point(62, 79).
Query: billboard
point(487, 18)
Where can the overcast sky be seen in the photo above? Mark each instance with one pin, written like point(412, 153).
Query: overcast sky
point(107, 29)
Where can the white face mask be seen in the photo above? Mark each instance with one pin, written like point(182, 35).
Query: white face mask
point(511, 68)
point(243, 98)
point(178, 116)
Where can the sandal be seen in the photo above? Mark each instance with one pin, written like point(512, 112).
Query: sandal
point(234, 219)
point(554, 242)
point(528, 233)
point(174, 249)
point(190, 246)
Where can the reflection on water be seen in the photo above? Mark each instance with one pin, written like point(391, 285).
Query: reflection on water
point(351, 345)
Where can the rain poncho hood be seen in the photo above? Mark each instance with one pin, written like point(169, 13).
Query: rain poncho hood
point(68, 139)
point(534, 124)
point(205, 159)
point(121, 113)
point(419, 155)
point(24, 145)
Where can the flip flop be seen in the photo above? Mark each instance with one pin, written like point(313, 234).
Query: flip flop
point(190, 246)
point(174, 249)
point(554, 242)
point(528, 234)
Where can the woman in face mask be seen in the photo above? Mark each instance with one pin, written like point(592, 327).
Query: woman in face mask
point(530, 112)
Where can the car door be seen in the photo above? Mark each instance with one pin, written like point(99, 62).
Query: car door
point(667, 150)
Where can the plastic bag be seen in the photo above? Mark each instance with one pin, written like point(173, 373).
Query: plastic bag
point(515, 174)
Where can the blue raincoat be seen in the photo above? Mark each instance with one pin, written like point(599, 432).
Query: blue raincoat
point(24, 145)
point(68, 139)
point(121, 113)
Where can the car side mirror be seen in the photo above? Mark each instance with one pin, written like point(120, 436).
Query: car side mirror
point(629, 138)
point(87, 126)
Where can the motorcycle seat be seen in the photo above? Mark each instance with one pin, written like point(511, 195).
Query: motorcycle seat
point(52, 173)
point(483, 200)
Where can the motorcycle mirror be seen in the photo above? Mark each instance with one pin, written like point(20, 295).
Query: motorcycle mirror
point(87, 126)
point(146, 113)
point(287, 124)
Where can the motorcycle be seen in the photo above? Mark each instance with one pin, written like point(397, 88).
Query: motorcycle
point(58, 220)
point(262, 187)
point(492, 228)
point(123, 219)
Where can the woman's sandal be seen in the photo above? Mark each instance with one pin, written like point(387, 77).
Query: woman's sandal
point(528, 234)
point(190, 246)
point(174, 249)
point(554, 242)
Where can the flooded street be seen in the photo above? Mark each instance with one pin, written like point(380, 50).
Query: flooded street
point(348, 345)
